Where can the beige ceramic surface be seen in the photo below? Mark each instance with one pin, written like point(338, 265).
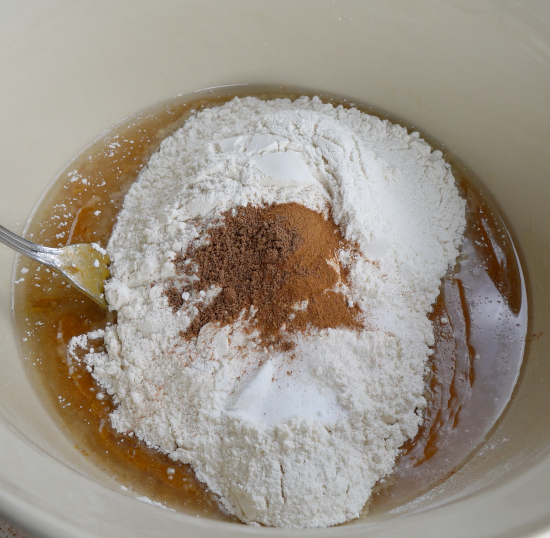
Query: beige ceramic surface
point(475, 74)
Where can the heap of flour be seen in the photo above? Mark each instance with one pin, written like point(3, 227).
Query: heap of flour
point(293, 438)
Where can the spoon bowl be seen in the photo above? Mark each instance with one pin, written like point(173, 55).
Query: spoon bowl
point(84, 265)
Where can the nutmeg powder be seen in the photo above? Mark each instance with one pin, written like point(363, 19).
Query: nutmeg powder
point(277, 263)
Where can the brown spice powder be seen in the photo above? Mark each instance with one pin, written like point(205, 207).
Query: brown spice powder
point(270, 258)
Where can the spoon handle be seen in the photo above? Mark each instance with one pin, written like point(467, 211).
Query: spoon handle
point(39, 253)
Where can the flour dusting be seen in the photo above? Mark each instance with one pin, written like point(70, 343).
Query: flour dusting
point(292, 435)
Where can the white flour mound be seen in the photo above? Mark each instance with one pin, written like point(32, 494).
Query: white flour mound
point(290, 443)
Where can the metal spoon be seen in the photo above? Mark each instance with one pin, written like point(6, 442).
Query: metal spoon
point(82, 264)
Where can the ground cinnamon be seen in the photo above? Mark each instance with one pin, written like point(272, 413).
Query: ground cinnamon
point(281, 259)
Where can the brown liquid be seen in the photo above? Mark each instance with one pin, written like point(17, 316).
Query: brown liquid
point(484, 299)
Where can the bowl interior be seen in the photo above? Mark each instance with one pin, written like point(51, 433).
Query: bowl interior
point(474, 74)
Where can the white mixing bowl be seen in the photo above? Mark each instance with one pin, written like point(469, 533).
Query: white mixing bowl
point(475, 74)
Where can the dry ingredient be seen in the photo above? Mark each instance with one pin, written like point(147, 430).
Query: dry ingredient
point(295, 432)
point(271, 259)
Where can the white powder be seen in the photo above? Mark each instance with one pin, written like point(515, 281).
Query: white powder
point(292, 443)
point(144, 499)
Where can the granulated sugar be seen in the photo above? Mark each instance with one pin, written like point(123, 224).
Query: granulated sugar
point(290, 391)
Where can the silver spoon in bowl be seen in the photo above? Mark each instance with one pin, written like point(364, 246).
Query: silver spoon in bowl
point(82, 264)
